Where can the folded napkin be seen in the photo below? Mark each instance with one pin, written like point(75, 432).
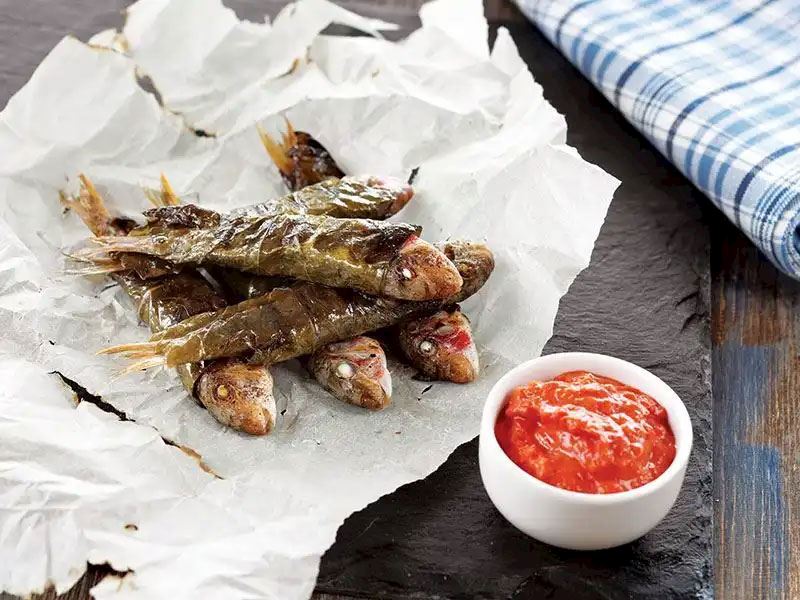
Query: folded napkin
point(714, 85)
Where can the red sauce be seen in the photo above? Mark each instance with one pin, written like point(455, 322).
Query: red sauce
point(586, 433)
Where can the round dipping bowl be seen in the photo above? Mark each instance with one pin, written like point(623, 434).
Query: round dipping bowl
point(577, 520)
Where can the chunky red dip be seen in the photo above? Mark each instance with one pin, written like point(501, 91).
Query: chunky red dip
point(586, 433)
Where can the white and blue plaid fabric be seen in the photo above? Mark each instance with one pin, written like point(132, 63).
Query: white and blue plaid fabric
point(714, 85)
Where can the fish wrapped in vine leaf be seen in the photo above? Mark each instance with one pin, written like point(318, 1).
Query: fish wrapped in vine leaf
point(441, 345)
point(361, 197)
point(375, 257)
point(366, 197)
point(297, 320)
point(354, 371)
point(236, 393)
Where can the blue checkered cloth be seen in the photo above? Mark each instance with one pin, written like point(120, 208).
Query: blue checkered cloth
point(714, 85)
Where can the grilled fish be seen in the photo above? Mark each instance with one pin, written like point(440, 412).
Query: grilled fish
point(354, 371)
point(367, 197)
point(236, 393)
point(441, 345)
point(294, 321)
point(301, 159)
point(371, 256)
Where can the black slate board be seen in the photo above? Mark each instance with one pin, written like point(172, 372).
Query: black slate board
point(644, 298)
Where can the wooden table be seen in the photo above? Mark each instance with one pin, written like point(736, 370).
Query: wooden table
point(754, 335)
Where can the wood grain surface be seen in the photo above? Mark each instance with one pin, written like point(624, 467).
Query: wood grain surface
point(755, 333)
point(757, 414)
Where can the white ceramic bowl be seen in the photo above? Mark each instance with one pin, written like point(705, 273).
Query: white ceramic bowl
point(576, 520)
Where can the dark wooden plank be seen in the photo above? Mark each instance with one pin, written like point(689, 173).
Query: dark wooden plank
point(644, 298)
point(756, 387)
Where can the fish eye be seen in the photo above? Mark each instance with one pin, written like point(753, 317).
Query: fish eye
point(345, 370)
point(426, 346)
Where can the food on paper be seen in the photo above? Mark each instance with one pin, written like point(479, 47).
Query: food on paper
point(441, 345)
point(375, 257)
point(292, 313)
point(354, 371)
point(237, 394)
point(493, 164)
point(294, 321)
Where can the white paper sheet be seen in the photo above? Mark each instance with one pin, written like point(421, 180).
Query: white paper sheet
point(77, 484)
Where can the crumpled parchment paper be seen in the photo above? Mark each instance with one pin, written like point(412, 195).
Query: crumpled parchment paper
point(78, 484)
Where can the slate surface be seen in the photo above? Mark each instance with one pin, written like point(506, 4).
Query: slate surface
point(644, 298)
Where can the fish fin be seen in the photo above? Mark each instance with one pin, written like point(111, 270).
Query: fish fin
point(276, 151)
point(165, 197)
point(89, 206)
point(168, 195)
point(290, 137)
point(126, 348)
point(153, 197)
point(92, 261)
point(115, 243)
point(144, 364)
point(95, 269)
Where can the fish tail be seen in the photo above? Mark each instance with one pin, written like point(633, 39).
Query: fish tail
point(277, 151)
point(91, 192)
point(98, 256)
point(165, 197)
point(95, 269)
point(133, 350)
point(92, 261)
point(120, 243)
point(289, 138)
point(153, 197)
point(142, 365)
point(168, 195)
point(89, 206)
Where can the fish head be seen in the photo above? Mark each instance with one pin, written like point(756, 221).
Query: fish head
point(474, 261)
point(355, 371)
point(421, 272)
point(238, 394)
point(441, 346)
